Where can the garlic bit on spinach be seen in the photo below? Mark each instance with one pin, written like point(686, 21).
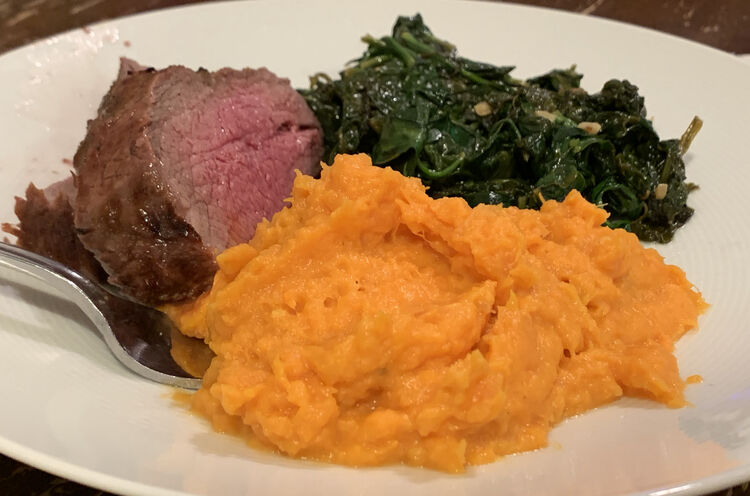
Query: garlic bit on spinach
point(470, 129)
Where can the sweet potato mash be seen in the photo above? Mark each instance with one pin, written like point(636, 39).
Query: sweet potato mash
point(368, 323)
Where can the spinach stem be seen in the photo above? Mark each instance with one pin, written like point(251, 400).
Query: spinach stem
point(687, 137)
point(425, 49)
point(402, 52)
point(372, 41)
point(433, 174)
point(417, 45)
point(374, 61)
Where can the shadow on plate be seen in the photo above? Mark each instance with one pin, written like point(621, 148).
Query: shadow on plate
point(49, 311)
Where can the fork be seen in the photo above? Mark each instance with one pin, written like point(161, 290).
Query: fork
point(137, 335)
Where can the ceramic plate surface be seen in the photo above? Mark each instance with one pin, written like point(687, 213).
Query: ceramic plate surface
point(68, 407)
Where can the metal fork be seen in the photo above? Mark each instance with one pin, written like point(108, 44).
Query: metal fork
point(137, 335)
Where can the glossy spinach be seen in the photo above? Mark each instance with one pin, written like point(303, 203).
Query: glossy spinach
point(470, 129)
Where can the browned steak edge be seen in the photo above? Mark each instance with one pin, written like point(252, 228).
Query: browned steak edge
point(46, 227)
point(127, 219)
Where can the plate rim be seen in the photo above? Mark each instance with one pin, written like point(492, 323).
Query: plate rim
point(500, 4)
point(59, 467)
point(79, 474)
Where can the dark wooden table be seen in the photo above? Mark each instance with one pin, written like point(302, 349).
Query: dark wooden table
point(724, 24)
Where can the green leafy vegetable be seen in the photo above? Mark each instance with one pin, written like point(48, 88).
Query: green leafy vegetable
point(469, 129)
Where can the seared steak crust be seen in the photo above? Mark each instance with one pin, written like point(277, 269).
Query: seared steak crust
point(46, 227)
point(124, 209)
point(179, 165)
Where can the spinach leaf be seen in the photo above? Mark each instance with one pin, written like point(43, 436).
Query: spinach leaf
point(469, 129)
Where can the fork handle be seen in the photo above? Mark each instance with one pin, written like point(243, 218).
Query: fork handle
point(75, 287)
point(71, 284)
point(90, 298)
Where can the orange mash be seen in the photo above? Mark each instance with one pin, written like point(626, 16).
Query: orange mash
point(369, 324)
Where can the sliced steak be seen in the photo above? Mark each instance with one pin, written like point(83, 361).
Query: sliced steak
point(181, 164)
point(46, 227)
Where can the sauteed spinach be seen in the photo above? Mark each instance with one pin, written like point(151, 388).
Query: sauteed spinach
point(470, 129)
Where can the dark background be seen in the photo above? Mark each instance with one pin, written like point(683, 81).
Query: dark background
point(724, 24)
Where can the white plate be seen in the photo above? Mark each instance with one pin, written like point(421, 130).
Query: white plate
point(68, 407)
